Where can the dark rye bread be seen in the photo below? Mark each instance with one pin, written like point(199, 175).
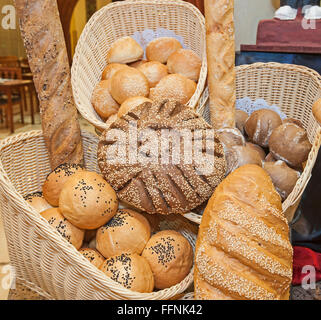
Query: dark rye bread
point(157, 187)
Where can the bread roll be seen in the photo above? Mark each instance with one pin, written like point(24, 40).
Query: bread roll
point(55, 181)
point(71, 233)
point(127, 83)
point(87, 200)
point(170, 257)
point(185, 62)
point(240, 120)
point(154, 72)
point(130, 104)
point(137, 63)
point(37, 201)
point(231, 137)
point(93, 256)
point(290, 143)
point(316, 110)
point(130, 270)
point(258, 148)
point(161, 48)
point(173, 87)
point(102, 100)
point(243, 250)
point(111, 69)
point(45, 45)
point(260, 124)
point(295, 121)
point(220, 48)
point(124, 50)
point(283, 177)
point(128, 231)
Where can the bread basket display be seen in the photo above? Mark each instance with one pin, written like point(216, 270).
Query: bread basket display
point(124, 19)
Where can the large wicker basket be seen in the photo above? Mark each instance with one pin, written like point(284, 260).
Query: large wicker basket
point(124, 18)
point(43, 260)
point(292, 88)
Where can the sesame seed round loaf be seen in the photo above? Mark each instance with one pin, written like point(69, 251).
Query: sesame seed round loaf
point(149, 182)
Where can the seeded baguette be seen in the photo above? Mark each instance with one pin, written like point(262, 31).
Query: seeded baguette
point(44, 42)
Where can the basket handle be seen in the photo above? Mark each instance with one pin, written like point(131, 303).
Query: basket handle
point(316, 110)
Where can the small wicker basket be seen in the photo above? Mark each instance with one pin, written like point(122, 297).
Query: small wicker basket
point(124, 18)
point(292, 88)
point(43, 260)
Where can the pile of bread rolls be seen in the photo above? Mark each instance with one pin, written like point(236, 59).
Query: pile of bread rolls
point(83, 208)
point(280, 147)
point(170, 72)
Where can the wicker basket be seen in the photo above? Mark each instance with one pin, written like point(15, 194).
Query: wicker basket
point(121, 19)
point(43, 260)
point(292, 88)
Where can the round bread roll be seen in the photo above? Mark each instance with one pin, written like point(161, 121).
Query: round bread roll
point(260, 125)
point(161, 48)
point(124, 50)
point(240, 120)
point(111, 69)
point(130, 270)
point(87, 200)
point(174, 87)
point(154, 72)
point(102, 100)
point(71, 233)
point(137, 63)
point(231, 137)
point(55, 181)
point(130, 104)
point(93, 256)
point(37, 201)
point(127, 83)
point(295, 121)
point(128, 231)
point(170, 257)
point(290, 143)
point(185, 62)
point(258, 148)
point(283, 177)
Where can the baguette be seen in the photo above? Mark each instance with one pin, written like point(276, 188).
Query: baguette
point(45, 46)
point(220, 47)
point(243, 251)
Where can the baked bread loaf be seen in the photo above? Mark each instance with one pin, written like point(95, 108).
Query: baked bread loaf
point(220, 48)
point(124, 50)
point(290, 143)
point(295, 121)
point(102, 100)
point(151, 183)
point(87, 200)
point(174, 87)
point(283, 177)
point(128, 231)
point(127, 83)
point(154, 71)
point(44, 42)
point(37, 201)
point(93, 256)
point(130, 104)
point(111, 69)
point(243, 250)
point(130, 270)
point(258, 148)
point(161, 48)
point(260, 124)
point(240, 120)
point(72, 234)
point(185, 62)
point(231, 137)
point(170, 257)
point(55, 181)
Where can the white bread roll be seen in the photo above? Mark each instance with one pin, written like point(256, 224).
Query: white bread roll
point(93, 256)
point(37, 201)
point(154, 72)
point(130, 104)
point(161, 48)
point(111, 69)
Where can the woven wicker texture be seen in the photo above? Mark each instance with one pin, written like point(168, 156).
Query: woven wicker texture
point(121, 19)
point(292, 88)
point(44, 260)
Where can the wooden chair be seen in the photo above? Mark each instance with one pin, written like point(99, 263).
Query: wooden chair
point(18, 97)
point(9, 61)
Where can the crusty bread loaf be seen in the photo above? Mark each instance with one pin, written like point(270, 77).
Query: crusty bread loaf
point(243, 249)
point(220, 47)
point(45, 46)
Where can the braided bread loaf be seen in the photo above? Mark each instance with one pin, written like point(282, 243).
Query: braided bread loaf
point(220, 47)
point(243, 249)
point(45, 45)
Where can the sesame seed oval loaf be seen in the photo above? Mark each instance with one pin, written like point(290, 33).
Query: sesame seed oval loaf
point(150, 182)
point(243, 249)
